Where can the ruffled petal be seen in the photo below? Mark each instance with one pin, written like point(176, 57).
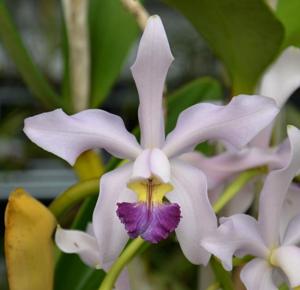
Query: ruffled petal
point(275, 190)
point(109, 231)
point(236, 123)
point(237, 234)
point(152, 222)
point(292, 233)
point(257, 275)
point(81, 243)
point(149, 71)
point(151, 163)
point(283, 77)
point(288, 259)
point(69, 136)
point(198, 218)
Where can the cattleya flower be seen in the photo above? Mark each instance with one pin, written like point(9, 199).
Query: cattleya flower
point(274, 248)
point(133, 197)
point(279, 82)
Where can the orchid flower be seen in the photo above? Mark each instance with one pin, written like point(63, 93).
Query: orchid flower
point(279, 82)
point(132, 199)
point(273, 247)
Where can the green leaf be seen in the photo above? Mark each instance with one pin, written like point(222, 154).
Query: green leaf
point(112, 30)
point(199, 90)
point(19, 54)
point(222, 276)
point(244, 34)
point(288, 13)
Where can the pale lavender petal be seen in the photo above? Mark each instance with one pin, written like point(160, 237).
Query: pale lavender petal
point(153, 223)
point(278, 83)
point(263, 138)
point(122, 282)
point(236, 123)
point(149, 71)
point(292, 233)
point(257, 275)
point(109, 231)
point(81, 243)
point(151, 163)
point(220, 168)
point(275, 190)
point(198, 219)
point(238, 234)
point(69, 136)
point(283, 77)
point(288, 259)
point(291, 207)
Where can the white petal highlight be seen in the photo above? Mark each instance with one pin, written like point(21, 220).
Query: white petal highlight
point(109, 231)
point(283, 77)
point(78, 242)
point(288, 259)
point(69, 136)
point(149, 71)
point(198, 219)
point(237, 234)
point(236, 123)
point(257, 275)
point(274, 192)
point(151, 163)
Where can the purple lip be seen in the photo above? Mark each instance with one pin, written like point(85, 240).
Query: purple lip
point(152, 222)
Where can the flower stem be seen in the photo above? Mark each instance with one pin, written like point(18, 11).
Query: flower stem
point(22, 59)
point(73, 195)
point(114, 272)
point(138, 11)
point(214, 286)
point(230, 192)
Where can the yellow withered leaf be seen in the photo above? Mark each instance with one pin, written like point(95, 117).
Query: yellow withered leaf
point(29, 226)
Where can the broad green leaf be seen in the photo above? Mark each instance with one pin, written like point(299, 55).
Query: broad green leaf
point(244, 34)
point(112, 30)
point(288, 11)
point(29, 250)
point(199, 90)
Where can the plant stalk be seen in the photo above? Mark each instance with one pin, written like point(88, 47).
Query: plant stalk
point(116, 269)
